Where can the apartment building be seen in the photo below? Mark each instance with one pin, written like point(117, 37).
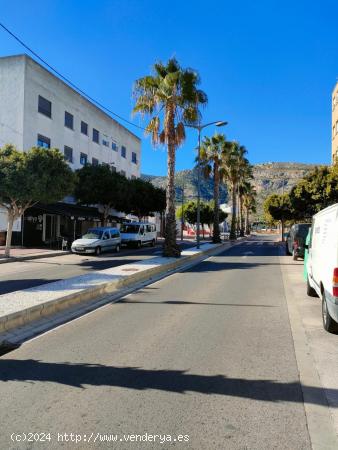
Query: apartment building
point(39, 109)
point(334, 148)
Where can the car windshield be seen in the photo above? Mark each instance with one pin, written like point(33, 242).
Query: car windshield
point(92, 234)
point(303, 229)
point(129, 228)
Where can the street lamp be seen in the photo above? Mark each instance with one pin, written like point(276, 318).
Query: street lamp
point(199, 128)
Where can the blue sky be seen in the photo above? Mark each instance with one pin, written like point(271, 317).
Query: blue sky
point(268, 67)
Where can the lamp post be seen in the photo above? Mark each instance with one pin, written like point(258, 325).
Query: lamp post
point(199, 128)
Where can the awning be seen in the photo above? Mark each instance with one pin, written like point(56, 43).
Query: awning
point(70, 210)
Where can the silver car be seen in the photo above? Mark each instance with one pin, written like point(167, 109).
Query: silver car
point(98, 240)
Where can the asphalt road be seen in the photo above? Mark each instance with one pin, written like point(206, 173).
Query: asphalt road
point(19, 275)
point(206, 353)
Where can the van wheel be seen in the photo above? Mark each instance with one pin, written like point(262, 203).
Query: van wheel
point(153, 242)
point(98, 251)
point(329, 324)
point(294, 256)
point(117, 249)
point(309, 290)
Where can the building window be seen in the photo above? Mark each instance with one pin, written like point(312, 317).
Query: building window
point(84, 128)
point(96, 136)
point(95, 162)
point(123, 173)
point(123, 151)
point(68, 152)
point(113, 169)
point(43, 141)
point(105, 143)
point(83, 159)
point(114, 146)
point(134, 157)
point(45, 107)
point(69, 120)
point(133, 177)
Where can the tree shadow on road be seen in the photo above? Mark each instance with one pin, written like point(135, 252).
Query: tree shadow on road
point(182, 302)
point(177, 381)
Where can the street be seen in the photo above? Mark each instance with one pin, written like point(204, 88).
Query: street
point(206, 353)
point(19, 275)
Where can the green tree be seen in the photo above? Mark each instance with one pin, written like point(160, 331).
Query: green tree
point(98, 185)
point(144, 198)
point(170, 97)
point(315, 192)
point(211, 156)
point(206, 213)
point(26, 178)
point(279, 208)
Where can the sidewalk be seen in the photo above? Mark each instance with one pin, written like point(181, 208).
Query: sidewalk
point(317, 357)
point(22, 254)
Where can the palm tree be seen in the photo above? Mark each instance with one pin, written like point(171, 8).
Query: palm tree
point(249, 203)
point(169, 96)
point(211, 157)
point(233, 163)
point(243, 186)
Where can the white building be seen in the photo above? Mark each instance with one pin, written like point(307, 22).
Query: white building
point(38, 109)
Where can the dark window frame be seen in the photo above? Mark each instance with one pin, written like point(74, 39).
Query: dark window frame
point(123, 151)
point(95, 162)
point(45, 140)
point(84, 124)
point(97, 139)
point(66, 147)
point(86, 158)
point(41, 108)
point(134, 157)
point(69, 116)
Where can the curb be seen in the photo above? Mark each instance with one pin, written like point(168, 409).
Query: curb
point(34, 256)
point(93, 294)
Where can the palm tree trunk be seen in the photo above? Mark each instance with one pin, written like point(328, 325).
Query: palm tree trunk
point(233, 214)
point(216, 236)
point(170, 247)
point(247, 228)
point(241, 216)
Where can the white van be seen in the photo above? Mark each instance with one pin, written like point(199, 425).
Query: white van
point(322, 265)
point(138, 233)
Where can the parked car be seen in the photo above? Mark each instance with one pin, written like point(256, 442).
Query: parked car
point(98, 240)
point(322, 265)
point(295, 242)
point(138, 234)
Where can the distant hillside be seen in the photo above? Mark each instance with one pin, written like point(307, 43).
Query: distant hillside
point(270, 177)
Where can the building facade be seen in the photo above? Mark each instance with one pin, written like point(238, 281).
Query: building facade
point(39, 109)
point(334, 148)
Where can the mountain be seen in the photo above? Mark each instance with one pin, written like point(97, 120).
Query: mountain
point(270, 177)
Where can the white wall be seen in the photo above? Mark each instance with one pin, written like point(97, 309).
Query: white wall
point(3, 221)
point(22, 80)
point(11, 100)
